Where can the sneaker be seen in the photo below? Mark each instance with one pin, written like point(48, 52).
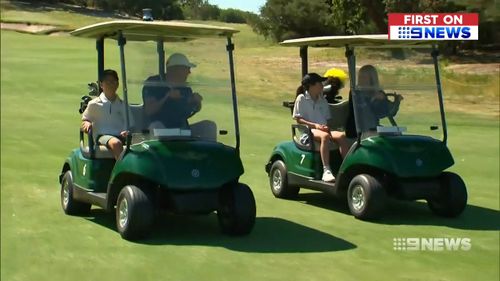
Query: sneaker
point(328, 176)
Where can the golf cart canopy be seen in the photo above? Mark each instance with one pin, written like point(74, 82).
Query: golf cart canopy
point(135, 30)
point(352, 40)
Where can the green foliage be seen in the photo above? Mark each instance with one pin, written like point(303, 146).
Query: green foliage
point(233, 16)
point(284, 19)
point(349, 14)
point(200, 10)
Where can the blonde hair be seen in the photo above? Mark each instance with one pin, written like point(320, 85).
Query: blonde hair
point(368, 77)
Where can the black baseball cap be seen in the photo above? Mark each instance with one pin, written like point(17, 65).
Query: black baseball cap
point(312, 78)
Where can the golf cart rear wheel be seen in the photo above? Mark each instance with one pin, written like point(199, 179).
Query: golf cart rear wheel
point(68, 203)
point(366, 197)
point(134, 213)
point(236, 212)
point(452, 198)
point(279, 182)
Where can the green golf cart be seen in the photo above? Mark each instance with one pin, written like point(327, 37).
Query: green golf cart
point(194, 169)
point(396, 125)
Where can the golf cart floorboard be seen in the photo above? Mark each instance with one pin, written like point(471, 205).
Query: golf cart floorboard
point(309, 183)
point(94, 198)
point(331, 184)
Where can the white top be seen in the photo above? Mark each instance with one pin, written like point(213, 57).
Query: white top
point(107, 117)
point(313, 111)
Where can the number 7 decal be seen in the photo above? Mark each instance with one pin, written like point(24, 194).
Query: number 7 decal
point(302, 157)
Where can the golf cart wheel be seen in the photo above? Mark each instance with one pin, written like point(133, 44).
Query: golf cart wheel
point(236, 212)
point(134, 213)
point(452, 196)
point(279, 182)
point(366, 197)
point(69, 204)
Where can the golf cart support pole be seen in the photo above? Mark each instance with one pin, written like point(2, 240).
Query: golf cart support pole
point(121, 42)
point(351, 63)
point(230, 49)
point(161, 59)
point(99, 45)
point(303, 59)
point(435, 54)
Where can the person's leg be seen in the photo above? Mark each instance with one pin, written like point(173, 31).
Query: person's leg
point(324, 151)
point(116, 147)
point(112, 143)
point(341, 140)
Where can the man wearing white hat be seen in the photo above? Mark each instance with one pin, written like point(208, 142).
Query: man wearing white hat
point(171, 102)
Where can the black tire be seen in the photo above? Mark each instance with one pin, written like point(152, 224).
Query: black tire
point(69, 205)
point(236, 212)
point(452, 198)
point(134, 213)
point(278, 181)
point(366, 197)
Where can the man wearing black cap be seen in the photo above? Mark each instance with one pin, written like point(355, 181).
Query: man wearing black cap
point(311, 109)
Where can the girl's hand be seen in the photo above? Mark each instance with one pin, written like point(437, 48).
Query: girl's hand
point(321, 127)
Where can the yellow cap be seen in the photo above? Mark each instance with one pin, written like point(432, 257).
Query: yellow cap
point(335, 72)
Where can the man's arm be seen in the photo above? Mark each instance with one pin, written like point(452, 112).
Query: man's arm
point(87, 117)
point(86, 126)
point(153, 105)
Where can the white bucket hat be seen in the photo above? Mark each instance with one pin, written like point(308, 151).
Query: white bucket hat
point(179, 59)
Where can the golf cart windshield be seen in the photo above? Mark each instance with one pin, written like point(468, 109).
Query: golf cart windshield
point(192, 97)
point(395, 93)
point(200, 108)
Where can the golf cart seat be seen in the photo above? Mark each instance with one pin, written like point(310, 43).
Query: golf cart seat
point(93, 150)
point(138, 116)
point(339, 113)
point(302, 135)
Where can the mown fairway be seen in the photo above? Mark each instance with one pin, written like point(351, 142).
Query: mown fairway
point(312, 238)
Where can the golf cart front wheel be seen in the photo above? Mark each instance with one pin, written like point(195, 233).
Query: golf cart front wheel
point(236, 212)
point(69, 205)
point(134, 213)
point(366, 197)
point(279, 182)
point(452, 198)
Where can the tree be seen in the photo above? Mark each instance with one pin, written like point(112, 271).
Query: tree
point(348, 14)
point(285, 19)
point(233, 16)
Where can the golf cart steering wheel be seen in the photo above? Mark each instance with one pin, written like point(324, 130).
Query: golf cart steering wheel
point(384, 107)
point(394, 104)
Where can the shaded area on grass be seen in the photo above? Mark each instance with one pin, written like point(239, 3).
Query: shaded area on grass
point(48, 7)
point(414, 213)
point(270, 235)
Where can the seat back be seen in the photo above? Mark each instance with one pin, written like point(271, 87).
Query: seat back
point(138, 116)
point(339, 113)
point(99, 151)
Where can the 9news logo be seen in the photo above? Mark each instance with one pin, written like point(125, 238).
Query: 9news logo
point(459, 26)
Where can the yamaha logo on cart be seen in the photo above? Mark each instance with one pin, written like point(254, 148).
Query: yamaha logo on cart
point(440, 26)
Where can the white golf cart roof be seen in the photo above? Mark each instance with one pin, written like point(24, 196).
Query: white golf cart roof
point(352, 40)
point(136, 30)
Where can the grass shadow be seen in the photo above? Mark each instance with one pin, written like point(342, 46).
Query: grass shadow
point(48, 7)
point(270, 235)
point(324, 201)
point(414, 213)
point(417, 213)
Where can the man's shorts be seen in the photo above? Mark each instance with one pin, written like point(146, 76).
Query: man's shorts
point(104, 139)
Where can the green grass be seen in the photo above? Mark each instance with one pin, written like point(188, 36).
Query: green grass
point(312, 238)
